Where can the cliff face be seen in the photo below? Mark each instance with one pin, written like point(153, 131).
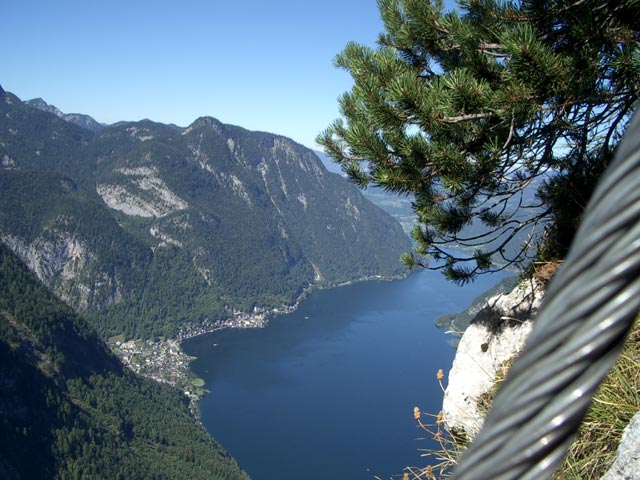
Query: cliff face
point(496, 335)
point(627, 463)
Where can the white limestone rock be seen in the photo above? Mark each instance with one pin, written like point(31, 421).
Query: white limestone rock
point(146, 195)
point(497, 334)
point(627, 463)
point(66, 265)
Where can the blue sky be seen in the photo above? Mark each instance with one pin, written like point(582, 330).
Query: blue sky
point(264, 65)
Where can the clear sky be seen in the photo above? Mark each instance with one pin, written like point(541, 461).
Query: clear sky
point(260, 64)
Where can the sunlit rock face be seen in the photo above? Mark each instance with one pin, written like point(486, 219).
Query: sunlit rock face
point(627, 463)
point(496, 335)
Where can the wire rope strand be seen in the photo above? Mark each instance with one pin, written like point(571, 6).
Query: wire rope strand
point(588, 310)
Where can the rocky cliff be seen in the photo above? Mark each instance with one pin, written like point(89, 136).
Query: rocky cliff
point(495, 336)
point(627, 463)
point(84, 121)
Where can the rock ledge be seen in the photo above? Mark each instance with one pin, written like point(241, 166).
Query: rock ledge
point(496, 335)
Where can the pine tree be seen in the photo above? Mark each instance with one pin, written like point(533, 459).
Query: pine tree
point(470, 110)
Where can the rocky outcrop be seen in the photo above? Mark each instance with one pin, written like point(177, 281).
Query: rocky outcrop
point(84, 121)
point(627, 463)
point(496, 335)
point(67, 265)
point(141, 192)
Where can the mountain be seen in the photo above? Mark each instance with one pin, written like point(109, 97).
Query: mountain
point(397, 205)
point(401, 208)
point(147, 227)
point(70, 410)
point(84, 121)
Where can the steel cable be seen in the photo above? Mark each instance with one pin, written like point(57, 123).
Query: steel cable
point(588, 309)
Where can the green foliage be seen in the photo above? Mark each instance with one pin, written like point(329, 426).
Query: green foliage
point(472, 109)
point(71, 411)
point(39, 137)
point(567, 196)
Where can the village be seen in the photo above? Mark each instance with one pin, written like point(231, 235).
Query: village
point(166, 362)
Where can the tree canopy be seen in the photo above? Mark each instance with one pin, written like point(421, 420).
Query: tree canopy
point(498, 117)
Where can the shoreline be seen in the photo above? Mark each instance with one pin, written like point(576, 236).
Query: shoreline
point(165, 360)
point(261, 315)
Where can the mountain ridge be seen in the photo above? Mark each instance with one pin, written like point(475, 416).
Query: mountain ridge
point(84, 121)
point(152, 226)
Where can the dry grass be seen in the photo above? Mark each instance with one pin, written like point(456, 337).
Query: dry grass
point(616, 402)
point(442, 459)
point(486, 399)
point(450, 445)
point(544, 271)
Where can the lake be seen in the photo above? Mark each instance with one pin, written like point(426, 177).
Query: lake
point(328, 391)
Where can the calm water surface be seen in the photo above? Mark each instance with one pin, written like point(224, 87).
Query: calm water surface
point(328, 391)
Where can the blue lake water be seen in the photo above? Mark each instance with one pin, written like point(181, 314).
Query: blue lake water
point(328, 391)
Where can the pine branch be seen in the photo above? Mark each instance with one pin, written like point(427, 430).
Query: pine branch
point(468, 117)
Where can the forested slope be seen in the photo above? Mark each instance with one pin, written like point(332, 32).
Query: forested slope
point(70, 410)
